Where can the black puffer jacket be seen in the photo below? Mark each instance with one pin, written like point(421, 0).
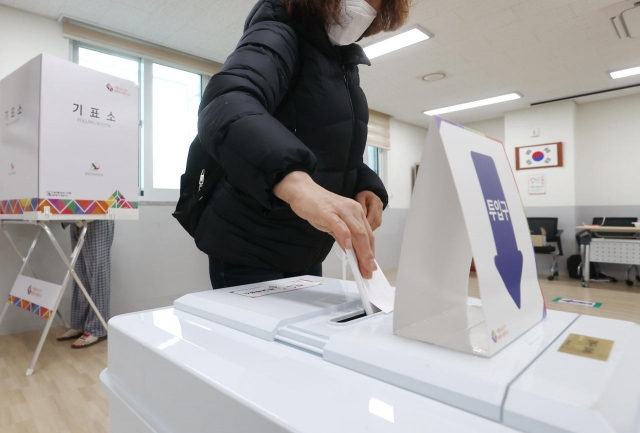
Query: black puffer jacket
point(285, 100)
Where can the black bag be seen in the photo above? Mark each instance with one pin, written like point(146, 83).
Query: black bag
point(573, 264)
point(196, 186)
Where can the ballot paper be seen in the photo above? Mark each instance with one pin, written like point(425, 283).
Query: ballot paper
point(377, 294)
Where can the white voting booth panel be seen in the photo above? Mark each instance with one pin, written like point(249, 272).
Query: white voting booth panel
point(68, 143)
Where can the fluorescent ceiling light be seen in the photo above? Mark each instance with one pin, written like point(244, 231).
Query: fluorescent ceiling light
point(625, 73)
point(396, 42)
point(481, 103)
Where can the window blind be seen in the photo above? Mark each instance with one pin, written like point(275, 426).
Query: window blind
point(379, 134)
point(105, 39)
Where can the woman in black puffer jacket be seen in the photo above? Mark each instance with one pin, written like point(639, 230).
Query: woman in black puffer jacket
point(286, 120)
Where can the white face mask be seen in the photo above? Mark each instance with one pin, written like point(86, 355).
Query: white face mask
point(356, 17)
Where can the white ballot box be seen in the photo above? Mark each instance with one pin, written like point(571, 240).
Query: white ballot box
point(68, 143)
point(299, 355)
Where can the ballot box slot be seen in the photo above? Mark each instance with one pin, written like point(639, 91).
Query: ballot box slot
point(350, 318)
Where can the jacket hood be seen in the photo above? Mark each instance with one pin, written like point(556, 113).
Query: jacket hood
point(273, 10)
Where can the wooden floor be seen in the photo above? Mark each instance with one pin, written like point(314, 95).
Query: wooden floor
point(64, 395)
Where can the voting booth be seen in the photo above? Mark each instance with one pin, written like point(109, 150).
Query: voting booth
point(308, 355)
point(69, 153)
point(68, 143)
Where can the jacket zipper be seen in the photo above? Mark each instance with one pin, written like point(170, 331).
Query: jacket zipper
point(201, 182)
point(353, 113)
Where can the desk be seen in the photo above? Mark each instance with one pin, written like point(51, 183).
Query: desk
point(604, 249)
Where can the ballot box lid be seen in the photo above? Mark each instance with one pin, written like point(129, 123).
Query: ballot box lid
point(261, 309)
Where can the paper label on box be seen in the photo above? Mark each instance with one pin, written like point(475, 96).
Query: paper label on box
point(276, 288)
point(588, 347)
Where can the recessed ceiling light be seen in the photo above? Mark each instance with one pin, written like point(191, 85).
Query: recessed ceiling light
point(481, 103)
point(434, 77)
point(397, 42)
point(625, 73)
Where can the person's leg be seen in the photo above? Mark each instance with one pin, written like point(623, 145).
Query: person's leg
point(228, 275)
point(79, 304)
point(97, 257)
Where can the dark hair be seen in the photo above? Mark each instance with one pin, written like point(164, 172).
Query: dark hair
point(392, 15)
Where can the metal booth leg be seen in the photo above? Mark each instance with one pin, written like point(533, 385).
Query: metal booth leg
point(25, 259)
point(65, 282)
point(70, 273)
point(71, 266)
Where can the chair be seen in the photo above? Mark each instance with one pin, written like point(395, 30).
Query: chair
point(550, 226)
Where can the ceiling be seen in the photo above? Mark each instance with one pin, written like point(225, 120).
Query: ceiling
point(543, 49)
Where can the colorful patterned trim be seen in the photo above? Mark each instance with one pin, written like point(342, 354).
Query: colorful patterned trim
point(66, 207)
point(439, 120)
point(29, 306)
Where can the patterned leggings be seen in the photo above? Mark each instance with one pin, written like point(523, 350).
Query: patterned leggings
point(94, 270)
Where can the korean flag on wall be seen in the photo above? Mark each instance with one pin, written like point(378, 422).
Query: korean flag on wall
point(545, 155)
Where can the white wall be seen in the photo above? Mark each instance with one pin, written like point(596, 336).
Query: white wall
point(556, 122)
point(25, 35)
point(407, 143)
point(492, 127)
point(608, 153)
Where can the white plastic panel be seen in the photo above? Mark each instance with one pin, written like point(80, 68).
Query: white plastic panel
point(180, 373)
point(474, 384)
point(565, 393)
point(263, 314)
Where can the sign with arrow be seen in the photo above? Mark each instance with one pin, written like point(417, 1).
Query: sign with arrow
point(466, 204)
point(509, 258)
point(581, 303)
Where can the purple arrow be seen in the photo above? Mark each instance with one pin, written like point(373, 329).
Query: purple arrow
point(509, 259)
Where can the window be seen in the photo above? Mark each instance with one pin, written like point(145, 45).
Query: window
point(374, 158)
point(176, 98)
point(374, 162)
point(169, 101)
point(125, 68)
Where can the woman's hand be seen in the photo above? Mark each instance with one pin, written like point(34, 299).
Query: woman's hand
point(342, 218)
point(372, 206)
